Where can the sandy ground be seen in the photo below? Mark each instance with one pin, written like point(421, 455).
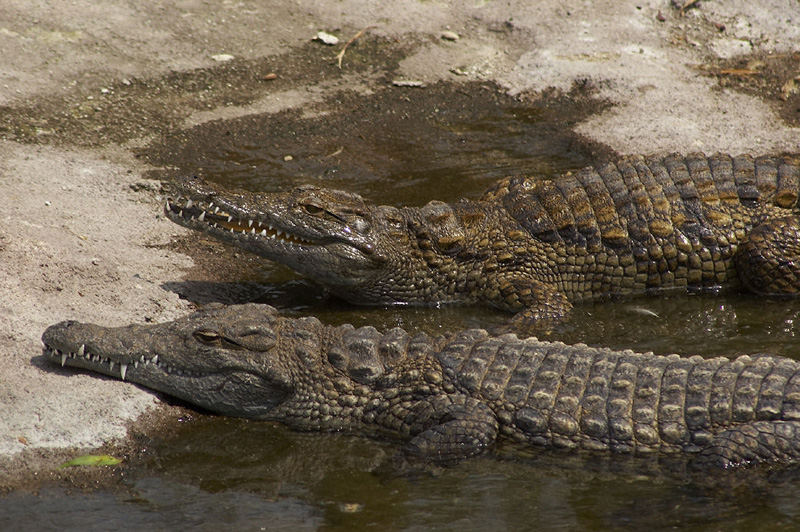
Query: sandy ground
point(82, 236)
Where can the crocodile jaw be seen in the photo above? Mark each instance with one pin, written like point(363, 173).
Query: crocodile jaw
point(218, 389)
point(334, 261)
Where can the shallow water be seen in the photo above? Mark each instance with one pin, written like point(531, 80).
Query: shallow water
point(407, 148)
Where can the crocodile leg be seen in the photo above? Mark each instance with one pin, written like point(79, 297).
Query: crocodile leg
point(463, 427)
point(768, 262)
point(754, 442)
point(537, 304)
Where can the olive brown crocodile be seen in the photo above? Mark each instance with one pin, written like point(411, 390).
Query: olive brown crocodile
point(451, 397)
point(533, 246)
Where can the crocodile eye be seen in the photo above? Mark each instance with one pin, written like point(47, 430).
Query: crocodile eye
point(312, 209)
point(207, 337)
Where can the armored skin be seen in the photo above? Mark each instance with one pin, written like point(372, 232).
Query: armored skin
point(452, 397)
point(532, 246)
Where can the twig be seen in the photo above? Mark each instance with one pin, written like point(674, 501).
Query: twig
point(340, 55)
point(739, 72)
point(334, 154)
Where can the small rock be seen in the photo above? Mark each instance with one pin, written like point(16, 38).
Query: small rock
point(221, 58)
point(408, 83)
point(126, 81)
point(450, 35)
point(47, 203)
point(327, 38)
point(287, 158)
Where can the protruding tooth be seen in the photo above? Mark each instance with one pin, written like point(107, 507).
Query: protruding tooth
point(63, 359)
point(154, 360)
point(110, 365)
point(189, 203)
point(264, 232)
point(202, 216)
point(82, 350)
point(249, 223)
point(279, 232)
point(216, 210)
point(123, 369)
point(230, 219)
point(135, 363)
point(253, 231)
point(180, 213)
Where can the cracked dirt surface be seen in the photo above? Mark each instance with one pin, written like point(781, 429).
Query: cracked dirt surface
point(85, 86)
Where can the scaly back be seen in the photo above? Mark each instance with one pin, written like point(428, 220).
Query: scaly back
point(642, 223)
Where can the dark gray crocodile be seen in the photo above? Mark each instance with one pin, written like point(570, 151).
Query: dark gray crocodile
point(532, 246)
point(452, 397)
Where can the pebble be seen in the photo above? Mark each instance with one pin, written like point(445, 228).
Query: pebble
point(450, 35)
point(327, 38)
point(408, 83)
point(221, 58)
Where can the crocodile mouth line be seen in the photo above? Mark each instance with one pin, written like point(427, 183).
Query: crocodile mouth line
point(217, 218)
point(83, 355)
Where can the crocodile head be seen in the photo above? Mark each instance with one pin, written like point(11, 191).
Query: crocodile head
point(336, 238)
point(239, 361)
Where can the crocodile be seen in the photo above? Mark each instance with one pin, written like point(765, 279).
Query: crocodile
point(534, 247)
point(453, 396)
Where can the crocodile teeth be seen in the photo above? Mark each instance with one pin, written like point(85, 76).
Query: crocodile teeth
point(202, 216)
point(81, 350)
point(216, 209)
point(249, 223)
point(110, 365)
point(154, 360)
point(63, 359)
point(123, 369)
point(264, 232)
point(230, 219)
point(189, 203)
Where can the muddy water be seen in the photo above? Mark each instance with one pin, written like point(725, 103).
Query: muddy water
point(406, 147)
